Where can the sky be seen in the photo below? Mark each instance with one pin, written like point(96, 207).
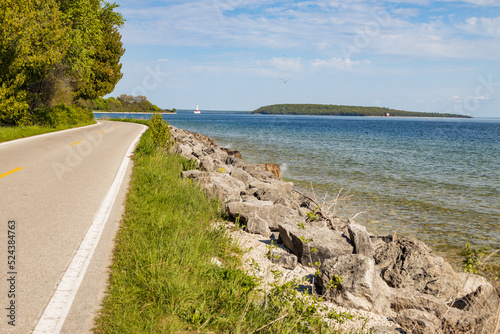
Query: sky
point(416, 55)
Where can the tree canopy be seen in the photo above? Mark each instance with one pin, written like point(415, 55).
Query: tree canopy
point(339, 110)
point(53, 52)
point(122, 103)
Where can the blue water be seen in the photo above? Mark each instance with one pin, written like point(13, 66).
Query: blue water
point(436, 179)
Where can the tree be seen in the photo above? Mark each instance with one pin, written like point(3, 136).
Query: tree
point(32, 40)
point(106, 67)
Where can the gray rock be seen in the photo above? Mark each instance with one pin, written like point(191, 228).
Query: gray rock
point(256, 213)
point(408, 263)
point(360, 286)
point(314, 244)
point(284, 259)
point(207, 163)
point(361, 239)
point(197, 149)
point(184, 151)
point(402, 299)
point(386, 330)
point(418, 322)
point(243, 176)
point(471, 282)
point(225, 187)
point(191, 174)
point(481, 309)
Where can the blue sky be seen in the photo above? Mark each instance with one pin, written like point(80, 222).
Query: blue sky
point(436, 56)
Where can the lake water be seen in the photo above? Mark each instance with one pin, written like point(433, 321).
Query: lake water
point(436, 179)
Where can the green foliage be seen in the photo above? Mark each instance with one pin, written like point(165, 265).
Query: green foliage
point(190, 164)
point(32, 41)
point(48, 54)
point(472, 258)
point(14, 132)
point(312, 216)
point(340, 317)
point(335, 283)
point(124, 103)
point(339, 110)
point(160, 132)
point(106, 67)
point(60, 115)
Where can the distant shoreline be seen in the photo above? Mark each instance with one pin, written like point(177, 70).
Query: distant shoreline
point(133, 112)
point(342, 110)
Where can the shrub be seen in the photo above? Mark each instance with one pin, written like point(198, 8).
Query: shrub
point(160, 132)
point(60, 115)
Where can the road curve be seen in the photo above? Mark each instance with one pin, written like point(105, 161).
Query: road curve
point(52, 188)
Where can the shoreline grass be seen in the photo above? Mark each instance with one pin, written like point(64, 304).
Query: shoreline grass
point(164, 278)
point(8, 133)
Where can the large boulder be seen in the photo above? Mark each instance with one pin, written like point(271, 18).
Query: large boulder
point(243, 176)
point(408, 263)
point(353, 281)
point(404, 299)
point(479, 312)
point(313, 243)
point(418, 322)
point(261, 217)
point(222, 185)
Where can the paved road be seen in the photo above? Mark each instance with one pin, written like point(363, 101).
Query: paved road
point(52, 186)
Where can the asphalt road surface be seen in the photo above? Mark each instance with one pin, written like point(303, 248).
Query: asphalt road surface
point(58, 219)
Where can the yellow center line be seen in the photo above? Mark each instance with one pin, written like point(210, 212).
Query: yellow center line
point(12, 171)
point(78, 142)
point(101, 132)
point(116, 127)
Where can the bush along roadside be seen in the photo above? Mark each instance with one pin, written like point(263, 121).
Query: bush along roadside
point(175, 267)
point(46, 120)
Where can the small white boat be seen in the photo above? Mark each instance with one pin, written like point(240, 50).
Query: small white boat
point(197, 111)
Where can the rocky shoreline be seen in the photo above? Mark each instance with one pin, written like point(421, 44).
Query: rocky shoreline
point(397, 278)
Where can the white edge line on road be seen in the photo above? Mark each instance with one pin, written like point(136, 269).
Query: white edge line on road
point(58, 308)
point(46, 134)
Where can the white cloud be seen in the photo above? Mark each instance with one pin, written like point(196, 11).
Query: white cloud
point(337, 63)
point(313, 29)
point(482, 26)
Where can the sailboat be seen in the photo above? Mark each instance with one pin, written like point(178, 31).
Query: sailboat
point(197, 111)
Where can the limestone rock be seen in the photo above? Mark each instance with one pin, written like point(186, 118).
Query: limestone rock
point(314, 244)
point(409, 264)
point(284, 259)
point(225, 187)
point(402, 299)
point(243, 176)
point(360, 286)
point(361, 240)
point(253, 214)
point(418, 322)
point(481, 311)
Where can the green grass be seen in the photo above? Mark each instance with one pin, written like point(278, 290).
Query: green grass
point(15, 132)
point(162, 279)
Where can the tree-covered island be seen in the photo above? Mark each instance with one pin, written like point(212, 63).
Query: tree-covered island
point(339, 110)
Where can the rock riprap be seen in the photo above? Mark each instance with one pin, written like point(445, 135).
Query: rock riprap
point(398, 277)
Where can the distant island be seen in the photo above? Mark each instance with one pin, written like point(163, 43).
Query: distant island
point(338, 110)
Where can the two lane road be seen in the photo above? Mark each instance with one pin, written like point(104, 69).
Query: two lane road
point(54, 194)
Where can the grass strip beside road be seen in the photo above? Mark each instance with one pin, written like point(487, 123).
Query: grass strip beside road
point(163, 279)
point(15, 132)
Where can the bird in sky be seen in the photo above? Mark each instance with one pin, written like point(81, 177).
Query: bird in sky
point(284, 80)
